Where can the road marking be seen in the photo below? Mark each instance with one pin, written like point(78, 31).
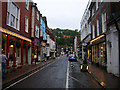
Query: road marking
point(74, 78)
point(28, 75)
point(67, 76)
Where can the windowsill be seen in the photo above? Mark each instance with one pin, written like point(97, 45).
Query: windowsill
point(26, 9)
point(37, 37)
point(37, 20)
point(12, 27)
point(26, 32)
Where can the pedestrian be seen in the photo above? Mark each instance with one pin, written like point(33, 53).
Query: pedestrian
point(45, 56)
point(4, 58)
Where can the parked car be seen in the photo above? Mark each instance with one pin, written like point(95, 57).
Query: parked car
point(72, 57)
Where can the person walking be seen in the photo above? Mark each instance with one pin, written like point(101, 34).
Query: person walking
point(4, 58)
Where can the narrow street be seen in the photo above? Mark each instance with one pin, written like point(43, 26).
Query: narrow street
point(59, 74)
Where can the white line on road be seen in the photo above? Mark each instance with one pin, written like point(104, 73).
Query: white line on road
point(28, 76)
point(67, 76)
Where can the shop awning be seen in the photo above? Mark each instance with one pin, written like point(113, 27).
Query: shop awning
point(98, 39)
point(14, 34)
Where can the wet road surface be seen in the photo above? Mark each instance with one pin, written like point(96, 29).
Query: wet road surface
point(59, 74)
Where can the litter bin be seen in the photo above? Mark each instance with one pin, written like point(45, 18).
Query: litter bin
point(4, 70)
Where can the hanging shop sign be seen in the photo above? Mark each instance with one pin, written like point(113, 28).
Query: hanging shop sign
point(53, 46)
point(36, 42)
point(43, 44)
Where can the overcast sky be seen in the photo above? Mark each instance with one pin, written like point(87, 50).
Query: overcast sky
point(64, 14)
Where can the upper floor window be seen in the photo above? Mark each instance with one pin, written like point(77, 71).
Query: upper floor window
point(97, 27)
point(97, 4)
point(26, 24)
point(44, 38)
point(41, 21)
point(101, 0)
point(37, 31)
point(93, 10)
point(13, 15)
point(93, 30)
point(43, 25)
point(38, 16)
point(103, 22)
point(41, 33)
point(27, 4)
point(86, 29)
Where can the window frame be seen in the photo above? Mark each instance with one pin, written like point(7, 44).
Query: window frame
point(93, 31)
point(26, 23)
point(104, 22)
point(98, 27)
point(36, 31)
point(38, 15)
point(97, 5)
point(11, 13)
point(27, 4)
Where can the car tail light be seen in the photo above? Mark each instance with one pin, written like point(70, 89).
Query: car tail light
point(76, 57)
point(69, 56)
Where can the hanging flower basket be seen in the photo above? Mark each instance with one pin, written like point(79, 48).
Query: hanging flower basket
point(29, 46)
point(11, 42)
point(18, 43)
point(3, 40)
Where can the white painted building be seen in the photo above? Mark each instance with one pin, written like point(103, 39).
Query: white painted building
point(112, 50)
point(52, 48)
point(75, 45)
point(85, 29)
point(48, 45)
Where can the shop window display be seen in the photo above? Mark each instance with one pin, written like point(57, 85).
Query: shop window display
point(98, 54)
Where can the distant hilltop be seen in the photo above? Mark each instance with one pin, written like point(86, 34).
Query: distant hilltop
point(65, 36)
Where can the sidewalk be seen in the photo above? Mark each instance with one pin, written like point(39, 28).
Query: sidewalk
point(22, 72)
point(105, 79)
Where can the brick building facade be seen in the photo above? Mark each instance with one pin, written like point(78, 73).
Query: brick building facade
point(16, 32)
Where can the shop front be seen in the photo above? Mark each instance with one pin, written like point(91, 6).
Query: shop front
point(35, 50)
point(43, 51)
point(12, 45)
point(99, 51)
